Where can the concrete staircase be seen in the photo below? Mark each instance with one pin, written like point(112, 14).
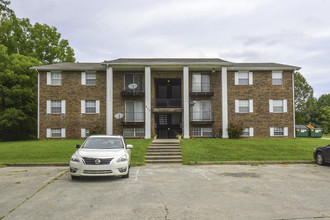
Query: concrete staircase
point(164, 151)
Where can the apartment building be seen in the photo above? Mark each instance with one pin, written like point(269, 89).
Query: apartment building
point(165, 96)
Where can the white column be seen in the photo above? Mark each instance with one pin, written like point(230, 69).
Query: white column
point(38, 131)
point(186, 102)
point(224, 103)
point(147, 88)
point(109, 88)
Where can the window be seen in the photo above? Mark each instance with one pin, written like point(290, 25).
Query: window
point(248, 132)
point(277, 77)
point(90, 78)
point(200, 82)
point(279, 131)
point(201, 132)
point(90, 106)
point(278, 106)
point(202, 111)
point(134, 112)
point(243, 78)
point(85, 132)
point(133, 132)
point(244, 106)
point(54, 78)
point(55, 132)
point(133, 78)
point(55, 106)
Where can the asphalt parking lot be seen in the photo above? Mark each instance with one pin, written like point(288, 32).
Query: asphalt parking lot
point(169, 192)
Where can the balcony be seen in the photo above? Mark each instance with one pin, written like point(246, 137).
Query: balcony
point(202, 89)
point(133, 119)
point(168, 103)
point(201, 117)
point(127, 92)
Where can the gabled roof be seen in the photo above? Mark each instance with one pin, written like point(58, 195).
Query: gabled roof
point(71, 66)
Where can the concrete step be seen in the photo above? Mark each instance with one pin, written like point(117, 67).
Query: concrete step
point(163, 157)
point(163, 148)
point(157, 145)
point(155, 153)
point(164, 161)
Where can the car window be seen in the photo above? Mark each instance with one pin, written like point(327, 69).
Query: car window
point(103, 143)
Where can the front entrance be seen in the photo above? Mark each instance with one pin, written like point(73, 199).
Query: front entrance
point(168, 125)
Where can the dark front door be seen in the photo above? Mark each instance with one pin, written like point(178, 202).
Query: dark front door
point(168, 125)
point(168, 93)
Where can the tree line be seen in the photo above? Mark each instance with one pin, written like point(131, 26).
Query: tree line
point(23, 45)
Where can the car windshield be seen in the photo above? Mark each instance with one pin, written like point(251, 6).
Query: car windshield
point(103, 143)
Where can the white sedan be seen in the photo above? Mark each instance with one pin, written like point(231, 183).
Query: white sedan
point(101, 155)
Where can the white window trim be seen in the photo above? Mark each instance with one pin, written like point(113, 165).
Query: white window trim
point(237, 106)
point(281, 72)
point(83, 107)
point(251, 132)
point(250, 77)
point(49, 133)
point(285, 132)
point(285, 106)
point(49, 107)
point(83, 78)
point(49, 78)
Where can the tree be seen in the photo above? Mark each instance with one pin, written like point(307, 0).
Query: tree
point(324, 100)
point(18, 96)
point(39, 40)
point(302, 92)
point(4, 10)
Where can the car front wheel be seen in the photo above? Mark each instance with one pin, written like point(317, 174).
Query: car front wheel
point(319, 158)
point(127, 175)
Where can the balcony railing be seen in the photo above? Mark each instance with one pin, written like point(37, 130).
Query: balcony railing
point(133, 118)
point(138, 91)
point(168, 103)
point(201, 117)
point(202, 89)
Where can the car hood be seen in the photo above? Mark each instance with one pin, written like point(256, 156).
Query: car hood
point(101, 153)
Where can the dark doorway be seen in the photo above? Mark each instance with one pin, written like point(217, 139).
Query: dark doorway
point(168, 93)
point(168, 125)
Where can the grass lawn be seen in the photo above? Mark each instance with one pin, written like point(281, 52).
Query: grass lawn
point(57, 151)
point(326, 135)
point(250, 149)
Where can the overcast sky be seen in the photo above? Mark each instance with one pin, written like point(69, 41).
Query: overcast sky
point(295, 32)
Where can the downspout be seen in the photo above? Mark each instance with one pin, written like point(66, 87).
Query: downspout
point(294, 107)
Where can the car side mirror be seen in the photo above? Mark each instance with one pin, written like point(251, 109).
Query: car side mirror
point(129, 146)
point(78, 146)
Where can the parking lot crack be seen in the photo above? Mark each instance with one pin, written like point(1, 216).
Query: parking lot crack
point(166, 210)
point(51, 180)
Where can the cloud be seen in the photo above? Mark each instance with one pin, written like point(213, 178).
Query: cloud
point(295, 32)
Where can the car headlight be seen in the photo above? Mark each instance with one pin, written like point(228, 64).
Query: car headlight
point(123, 158)
point(75, 159)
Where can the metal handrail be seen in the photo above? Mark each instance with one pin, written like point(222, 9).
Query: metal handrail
point(201, 116)
point(134, 117)
point(125, 88)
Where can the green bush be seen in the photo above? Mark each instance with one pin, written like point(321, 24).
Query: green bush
point(235, 130)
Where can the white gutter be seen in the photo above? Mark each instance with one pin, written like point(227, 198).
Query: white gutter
point(294, 109)
point(38, 107)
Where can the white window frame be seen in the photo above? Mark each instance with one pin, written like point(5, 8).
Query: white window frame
point(277, 77)
point(273, 130)
point(198, 114)
point(137, 117)
point(202, 131)
point(51, 79)
point(85, 76)
point(50, 132)
point(49, 104)
point(238, 76)
point(238, 103)
point(85, 132)
point(198, 86)
point(284, 105)
point(84, 105)
point(249, 131)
